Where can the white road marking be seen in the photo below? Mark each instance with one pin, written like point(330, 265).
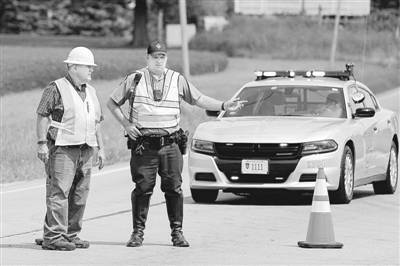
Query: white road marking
point(2, 192)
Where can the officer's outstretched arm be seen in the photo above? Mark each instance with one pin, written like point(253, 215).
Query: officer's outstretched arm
point(211, 104)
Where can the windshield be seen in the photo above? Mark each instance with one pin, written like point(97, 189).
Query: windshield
point(281, 100)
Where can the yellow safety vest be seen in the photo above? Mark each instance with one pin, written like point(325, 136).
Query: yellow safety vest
point(149, 113)
point(78, 124)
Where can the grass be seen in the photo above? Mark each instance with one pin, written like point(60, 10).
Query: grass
point(18, 118)
point(26, 68)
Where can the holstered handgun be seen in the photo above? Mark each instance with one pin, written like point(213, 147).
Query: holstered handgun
point(182, 140)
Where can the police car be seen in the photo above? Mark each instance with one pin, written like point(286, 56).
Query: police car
point(293, 123)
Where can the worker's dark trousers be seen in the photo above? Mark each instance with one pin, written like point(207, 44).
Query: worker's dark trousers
point(67, 187)
point(167, 162)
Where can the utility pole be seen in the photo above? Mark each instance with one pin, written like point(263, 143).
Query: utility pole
point(185, 50)
point(335, 34)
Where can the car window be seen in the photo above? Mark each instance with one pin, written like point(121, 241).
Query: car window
point(315, 101)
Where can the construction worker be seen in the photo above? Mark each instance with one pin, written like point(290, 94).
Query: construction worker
point(69, 135)
point(155, 138)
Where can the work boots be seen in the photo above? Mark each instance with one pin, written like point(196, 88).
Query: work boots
point(175, 216)
point(61, 244)
point(140, 209)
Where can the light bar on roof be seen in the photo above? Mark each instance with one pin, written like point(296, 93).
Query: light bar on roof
point(258, 73)
point(269, 74)
point(342, 75)
point(318, 73)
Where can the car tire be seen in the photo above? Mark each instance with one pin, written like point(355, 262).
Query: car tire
point(204, 195)
point(344, 193)
point(388, 186)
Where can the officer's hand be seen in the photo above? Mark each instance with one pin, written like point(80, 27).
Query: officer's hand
point(234, 105)
point(43, 152)
point(133, 131)
point(101, 157)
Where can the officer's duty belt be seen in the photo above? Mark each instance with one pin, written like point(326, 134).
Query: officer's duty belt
point(159, 142)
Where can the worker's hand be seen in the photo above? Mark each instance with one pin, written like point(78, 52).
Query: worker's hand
point(101, 157)
point(132, 130)
point(43, 152)
point(234, 105)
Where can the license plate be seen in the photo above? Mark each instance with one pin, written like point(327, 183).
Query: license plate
point(259, 167)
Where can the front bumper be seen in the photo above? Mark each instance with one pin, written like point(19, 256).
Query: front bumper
point(283, 174)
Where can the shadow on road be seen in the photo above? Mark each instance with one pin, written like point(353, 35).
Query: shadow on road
point(278, 198)
point(359, 194)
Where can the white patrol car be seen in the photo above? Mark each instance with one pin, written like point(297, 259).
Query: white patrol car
point(294, 122)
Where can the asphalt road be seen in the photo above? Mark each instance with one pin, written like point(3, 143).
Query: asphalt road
point(233, 231)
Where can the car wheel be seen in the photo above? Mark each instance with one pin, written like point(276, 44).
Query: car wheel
point(388, 186)
point(344, 193)
point(204, 195)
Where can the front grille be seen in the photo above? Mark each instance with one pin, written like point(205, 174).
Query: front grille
point(252, 150)
point(279, 171)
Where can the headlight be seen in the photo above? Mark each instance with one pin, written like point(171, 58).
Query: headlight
point(319, 147)
point(203, 146)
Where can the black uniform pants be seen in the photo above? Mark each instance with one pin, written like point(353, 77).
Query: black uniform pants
point(167, 162)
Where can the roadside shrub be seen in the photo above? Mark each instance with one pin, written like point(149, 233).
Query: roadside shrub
point(26, 68)
point(65, 17)
point(298, 37)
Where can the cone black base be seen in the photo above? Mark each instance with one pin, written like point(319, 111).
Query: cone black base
point(304, 244)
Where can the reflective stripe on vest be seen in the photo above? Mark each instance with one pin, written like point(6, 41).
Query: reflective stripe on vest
point(78, 124)
point(157, 114)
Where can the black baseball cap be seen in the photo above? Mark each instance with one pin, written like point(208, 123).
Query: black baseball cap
point(156, 47)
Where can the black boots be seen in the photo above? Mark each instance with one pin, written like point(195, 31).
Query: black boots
point(175, 215)
point(140, 209)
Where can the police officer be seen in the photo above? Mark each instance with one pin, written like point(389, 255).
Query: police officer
point(154, 133)
point(68, 131)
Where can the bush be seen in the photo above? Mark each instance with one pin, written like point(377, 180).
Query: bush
point(298, 37)
point(25, 68)
point(65, 17)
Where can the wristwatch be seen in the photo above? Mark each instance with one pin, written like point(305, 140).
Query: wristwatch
point(222, 106)
point(42, 142)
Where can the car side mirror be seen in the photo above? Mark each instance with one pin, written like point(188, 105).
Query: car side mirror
point(358, 97)
point(213, 113)
point(365, 112)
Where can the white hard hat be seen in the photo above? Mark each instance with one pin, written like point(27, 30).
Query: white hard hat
point(80, 56)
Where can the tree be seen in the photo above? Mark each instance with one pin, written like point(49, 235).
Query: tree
point(140, 32)
point(162, 6)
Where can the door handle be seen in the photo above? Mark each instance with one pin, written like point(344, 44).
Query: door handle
point(388, 122)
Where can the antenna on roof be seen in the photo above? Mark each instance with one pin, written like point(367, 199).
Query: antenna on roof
point(350, 70)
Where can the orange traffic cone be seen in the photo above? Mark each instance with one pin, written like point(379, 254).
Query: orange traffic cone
point(320, 227)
